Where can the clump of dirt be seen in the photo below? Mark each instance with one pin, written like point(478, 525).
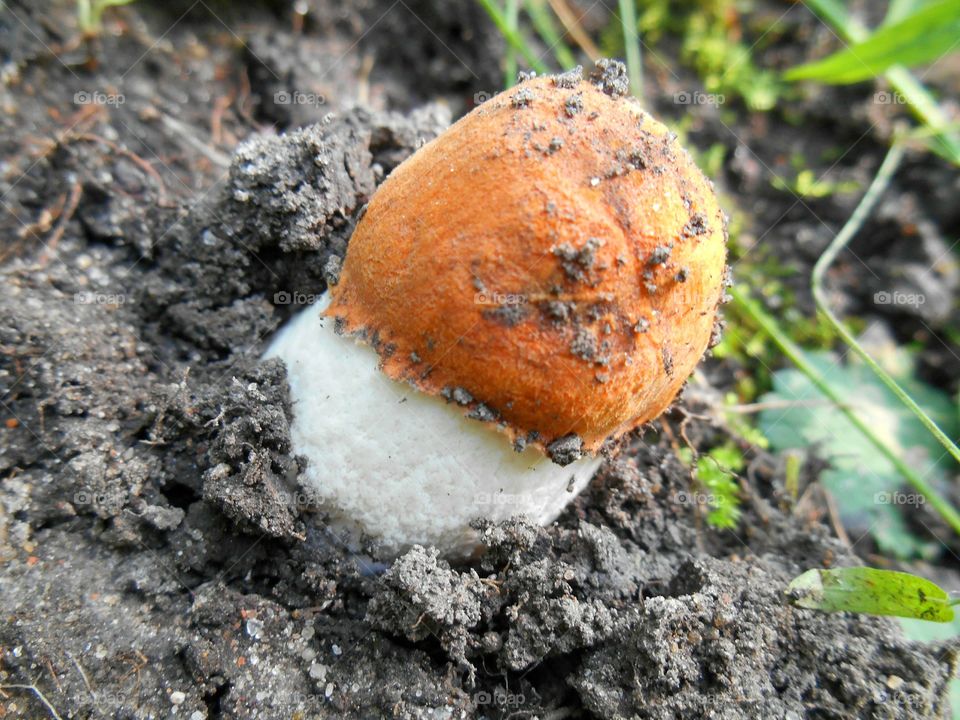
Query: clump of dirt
point(157, 553)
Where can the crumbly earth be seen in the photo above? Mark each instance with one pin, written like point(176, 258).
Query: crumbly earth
point(157, 556)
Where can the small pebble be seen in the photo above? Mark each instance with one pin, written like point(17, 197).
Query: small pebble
point(255, 628)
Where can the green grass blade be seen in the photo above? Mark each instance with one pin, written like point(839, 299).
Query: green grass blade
point(631, 42)
point(847, 232)
point(512, 17)
point(513, 37)
point(927, 110)
point(835, 13)
point(797, 356)
point(871, 591)
point(924, 36)
point(921, 103)
point(542, 20)
point(897, 10)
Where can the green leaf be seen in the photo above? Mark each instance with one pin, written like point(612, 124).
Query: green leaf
point(871, 591)
point(863, 482)
point(898, 10)
point(924, 36)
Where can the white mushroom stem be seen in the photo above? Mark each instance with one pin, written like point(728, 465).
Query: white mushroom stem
point(403, 466)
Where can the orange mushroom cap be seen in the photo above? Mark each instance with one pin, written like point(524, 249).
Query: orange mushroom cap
point(554, 259)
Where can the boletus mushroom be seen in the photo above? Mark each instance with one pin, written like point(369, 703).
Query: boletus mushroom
point(521, 292)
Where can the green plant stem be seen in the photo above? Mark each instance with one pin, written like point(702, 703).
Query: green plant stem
point(543, 23)
point(513, 37)
point(512, 16)
point(863, 209)
point(631, 41)
point(797, 356)
point(922, 104)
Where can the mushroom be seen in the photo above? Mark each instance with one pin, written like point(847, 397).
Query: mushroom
point(520, 292)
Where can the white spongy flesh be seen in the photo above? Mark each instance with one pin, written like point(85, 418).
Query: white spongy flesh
point(404, 466)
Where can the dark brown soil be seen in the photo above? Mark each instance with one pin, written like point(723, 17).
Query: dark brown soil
point(157, 558)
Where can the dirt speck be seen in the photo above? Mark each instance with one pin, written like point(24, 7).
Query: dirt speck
point(566, 450)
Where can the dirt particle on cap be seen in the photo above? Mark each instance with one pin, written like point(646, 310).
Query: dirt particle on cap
point(726, 284)
point(557, 311)
point(638, 159)
point(566, 450)
point(570, 79)
point(611, 77)
point(461, 396)
point(555, 145)
point(522, 98)
point(508, 315)
point(573, 105)
point(642, 325)
point(660, 255)
point(482, 413)
point(716, 336)
point(584, 345)
point(667, 360)
point(576, 262)
point(695, 226)
point(682, 275)
point(331, 269)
